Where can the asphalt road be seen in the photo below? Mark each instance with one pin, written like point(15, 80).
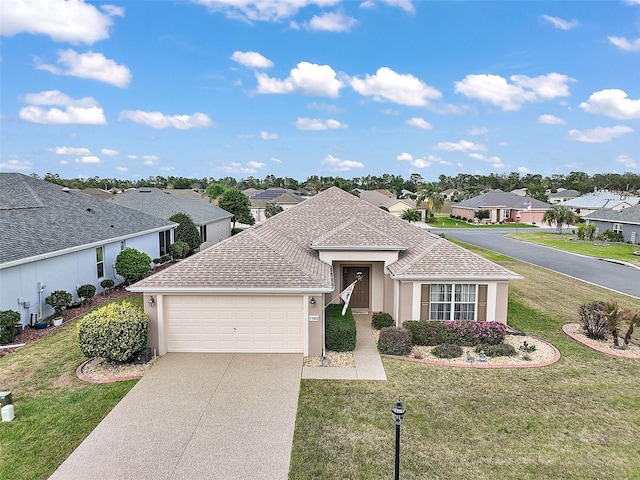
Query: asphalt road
point(621, 278)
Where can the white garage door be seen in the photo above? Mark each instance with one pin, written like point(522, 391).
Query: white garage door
point(229, 323)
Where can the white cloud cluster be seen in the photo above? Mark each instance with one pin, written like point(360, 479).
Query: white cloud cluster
point(251, 59)
point(626, 161)
point(72, 151)
point(14, 165)
point(551, 120)
point(495, 162)
point(88, 159)
point(331, 22)
point(306, 78)
point(72, 21)
point(498, 91)
point(420, 123)
point(237, 167)
point(303, 123)
point(423, 162)
point(478, 131)
point(89, 65)
point(599, 134)
point(406, 5)
point(403, 89)
point(83, 111)
point(160, 120)
point(109, 151)
point(338, 165)
point(612, 103)
point(463, 146)
point(261, 10)
point(560, 23)
point(150, 160)
point(625, 44)
point(268, 136)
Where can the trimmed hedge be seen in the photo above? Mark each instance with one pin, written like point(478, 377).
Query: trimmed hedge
point(459, 332)
point(114, 332)
point(379, 320)
point(340, 330)
point(447, 350)
point(502, 350)
point(8, 321)
point(395, 341)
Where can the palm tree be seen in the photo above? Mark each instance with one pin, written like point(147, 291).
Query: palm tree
point(411, 215)
point(559, 214)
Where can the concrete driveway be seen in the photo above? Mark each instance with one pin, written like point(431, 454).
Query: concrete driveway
point(214, 416)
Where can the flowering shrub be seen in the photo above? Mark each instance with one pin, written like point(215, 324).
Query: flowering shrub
point(114, 332)
point(457, 332)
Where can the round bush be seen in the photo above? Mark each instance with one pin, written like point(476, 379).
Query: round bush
point(447, 350)
point(114, 332)
point(8, 321)
point(132, 264)
point(86, 292)
point(500, 350)
point(59, 299)
point(380, 320)
point(179, 249)
point(107, 283)
point(395, 341)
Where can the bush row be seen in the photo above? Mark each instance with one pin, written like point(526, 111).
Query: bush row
point(459, 332)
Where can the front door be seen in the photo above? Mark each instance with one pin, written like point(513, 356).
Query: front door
point(360, 295)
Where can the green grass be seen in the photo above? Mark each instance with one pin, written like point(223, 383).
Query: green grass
point(448, 222)
point(577, 418)
point(570, 243)
point(54, 410)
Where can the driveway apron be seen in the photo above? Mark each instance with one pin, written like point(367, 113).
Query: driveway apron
point(214, 416)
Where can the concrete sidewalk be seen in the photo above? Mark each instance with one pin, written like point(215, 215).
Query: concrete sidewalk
point(368, 365)
point(213, 416)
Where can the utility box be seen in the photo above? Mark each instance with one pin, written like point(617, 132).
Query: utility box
point(5, 399)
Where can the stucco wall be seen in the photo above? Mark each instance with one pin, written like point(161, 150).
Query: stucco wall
point(216, 232)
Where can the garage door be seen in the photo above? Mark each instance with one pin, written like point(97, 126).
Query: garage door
point(229, 323)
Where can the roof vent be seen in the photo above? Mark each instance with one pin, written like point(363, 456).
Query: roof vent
point(89, 210)
point(65, 189)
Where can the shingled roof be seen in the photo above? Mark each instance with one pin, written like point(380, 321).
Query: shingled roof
point(626, 215)
point(497, 198)
point(281, 253)
point(41, 218)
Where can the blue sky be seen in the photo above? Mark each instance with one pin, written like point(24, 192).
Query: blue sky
point(215, 88)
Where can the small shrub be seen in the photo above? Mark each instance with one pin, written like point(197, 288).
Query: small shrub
point(179, 250)
point(86, 292)
point(500, 350)
point(340, 330)
point(114, 332)
point(447, 350)
point(165, 258)
point(395, 341)
point(107, 284)
point(527, 348)
point(59, 299)
point(379, 320)
point(132, 264)
point(8, 321)
point(594, 320)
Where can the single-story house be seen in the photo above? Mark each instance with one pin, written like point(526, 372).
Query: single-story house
point(591, 202)
point(562, 195)
point(393, 205)
point(265, 289)
point(502, 207)
point(625, 221)
point(56, 239)
point(259, 203)
point(213, 222)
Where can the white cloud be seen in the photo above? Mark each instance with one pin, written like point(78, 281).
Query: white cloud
point(261, 10)
point(627, 161)
point(498, 91)
point(423, 162)
point(339, 165)
point(275, 160)
point(70, 115)
point(237, 167)
point(420, 123)
point(112, 10)
point(406, 5)
point(460, 146)
point(600, 134)
point(109, 152)
point(560, 23)
point(495, 162)
point(90, 159)
point(551, 120)
point(72, 21)
point(251, 59)
point(16, 165)
point(150, 160)
point(268, 136)
point(612, 103)
point(122, 169)
point(256, 165)
point(160, 120)
point(132, 157)
point(303, 123)
point(624, 44)
point(72, 151)
point(90, 65)
point(524, 170)
point(331, 22)
point(403, 89)
point(306, 78)
point(478, 131)
point(56, 97)
point(405, 157)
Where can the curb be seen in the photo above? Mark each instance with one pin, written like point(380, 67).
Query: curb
point(596, 347)
point(84, 378)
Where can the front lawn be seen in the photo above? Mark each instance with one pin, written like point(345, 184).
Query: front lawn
point(54, 410)
point(448, 222)
point(577, 418)
point(570, 243)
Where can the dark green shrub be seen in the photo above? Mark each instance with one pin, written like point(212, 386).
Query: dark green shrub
point(114, 332)
point(8, 321)
point(59, 299)
point(186, 231)
point(235, 231)
point(500, 350)
point(379, 320)
point(86, 292)
point(457, 332)
point(609, 236)
point(594, 320)
point(107, 284)
point(132, 264)
point(179, 250)
point(447, 350)
point(395, 341)
point(165, 258)
point(340, 330)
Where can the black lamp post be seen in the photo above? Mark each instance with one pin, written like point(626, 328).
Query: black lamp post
point(397, 414)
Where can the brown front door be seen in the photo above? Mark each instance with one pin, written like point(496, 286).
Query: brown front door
point(360, 295)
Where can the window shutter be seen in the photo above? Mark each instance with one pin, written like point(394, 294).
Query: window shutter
point(482, 303)
point(424, 302)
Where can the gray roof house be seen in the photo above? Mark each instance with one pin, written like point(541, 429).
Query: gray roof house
point(502, 207)
point(591, 202)
point(265, 289)
point(286, 200)
point(213, 222)
point(562, 195)
point(625, 221)
point(56, 239)
point(393, 205)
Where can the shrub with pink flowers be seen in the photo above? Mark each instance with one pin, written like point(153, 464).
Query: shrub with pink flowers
point(458, 332)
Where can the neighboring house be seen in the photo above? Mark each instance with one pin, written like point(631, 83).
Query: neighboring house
point(592, 202)
point(265, 289)
point(213, 222)
point(503, 207)
point(562, 195)
point(258, 204)
point(56, 239)
point(625, 221)
point(393, 205)
point(521, 192)
point(188, 194)
point(449, 193)
point(98, 193)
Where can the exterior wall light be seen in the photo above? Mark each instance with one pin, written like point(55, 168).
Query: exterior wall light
point(152, 302)
point(312, 302)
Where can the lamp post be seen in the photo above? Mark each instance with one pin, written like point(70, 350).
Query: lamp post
point(397, 414)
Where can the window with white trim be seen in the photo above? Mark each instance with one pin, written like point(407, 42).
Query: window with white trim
point(100, 261)
point(617, 227)
point(452, 301)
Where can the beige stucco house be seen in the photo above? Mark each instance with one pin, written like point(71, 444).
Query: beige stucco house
point(264, 290)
